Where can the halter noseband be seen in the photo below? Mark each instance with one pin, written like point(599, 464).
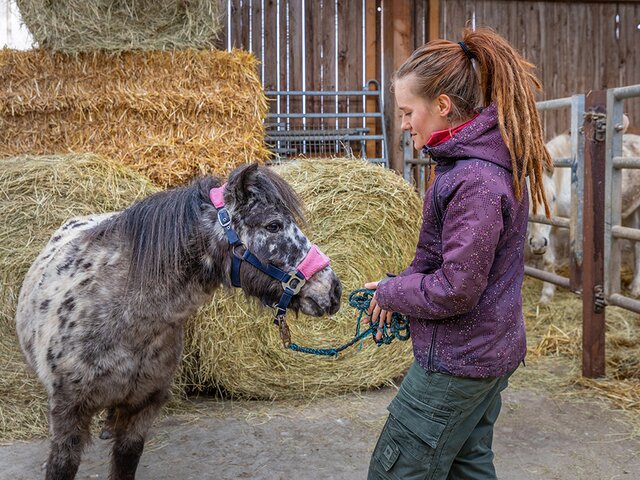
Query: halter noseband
point(292, 282)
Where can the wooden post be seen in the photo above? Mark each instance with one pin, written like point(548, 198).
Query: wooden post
point(372, 69)
point(397, 20)
point(593, 311)
point(434, 20)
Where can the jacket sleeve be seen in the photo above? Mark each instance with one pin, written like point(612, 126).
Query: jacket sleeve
point(471, 229)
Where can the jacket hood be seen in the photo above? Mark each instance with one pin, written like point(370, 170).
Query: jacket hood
point(480, 139)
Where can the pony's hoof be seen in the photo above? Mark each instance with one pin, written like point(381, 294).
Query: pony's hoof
point(105, 434)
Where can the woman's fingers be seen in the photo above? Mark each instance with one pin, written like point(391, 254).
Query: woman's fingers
point(371, 285)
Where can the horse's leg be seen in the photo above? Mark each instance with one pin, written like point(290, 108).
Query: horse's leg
point(635, 284)
point(549, 262)
point(69, 426)
point(129, 429)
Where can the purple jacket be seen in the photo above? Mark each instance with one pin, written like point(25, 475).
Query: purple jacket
point(462, 292)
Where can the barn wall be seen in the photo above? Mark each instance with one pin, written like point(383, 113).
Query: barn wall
point(577, 46)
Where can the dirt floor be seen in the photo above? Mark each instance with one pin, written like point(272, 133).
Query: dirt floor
point(539, 435)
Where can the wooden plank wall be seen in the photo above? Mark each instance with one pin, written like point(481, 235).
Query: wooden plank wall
point(577, 46)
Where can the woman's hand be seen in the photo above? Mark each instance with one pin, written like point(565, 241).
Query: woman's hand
point(376, 314)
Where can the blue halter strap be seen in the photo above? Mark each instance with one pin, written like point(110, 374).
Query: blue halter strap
point(291, 282)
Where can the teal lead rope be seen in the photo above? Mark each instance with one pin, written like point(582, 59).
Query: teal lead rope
point(360, 300)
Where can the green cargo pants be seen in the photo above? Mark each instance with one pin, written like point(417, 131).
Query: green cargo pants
point(439, 427)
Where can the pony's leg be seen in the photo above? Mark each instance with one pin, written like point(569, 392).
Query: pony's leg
point(549, 262)
point(129, 429)
point(69, 426)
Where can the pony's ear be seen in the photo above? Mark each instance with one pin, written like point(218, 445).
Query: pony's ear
point(241, 180)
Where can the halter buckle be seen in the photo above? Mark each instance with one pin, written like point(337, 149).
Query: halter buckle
point(243, 249)
point(295, 282)
point(224, 218)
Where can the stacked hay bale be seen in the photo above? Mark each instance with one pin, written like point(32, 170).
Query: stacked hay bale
point(170, 115)
point(38, 194)
point(366, 219)
point(74, 26)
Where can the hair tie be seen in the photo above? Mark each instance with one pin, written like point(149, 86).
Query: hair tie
point(466, 51)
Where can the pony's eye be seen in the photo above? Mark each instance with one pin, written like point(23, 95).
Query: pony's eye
point(273, 227)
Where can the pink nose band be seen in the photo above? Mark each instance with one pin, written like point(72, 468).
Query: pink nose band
point(313, 262)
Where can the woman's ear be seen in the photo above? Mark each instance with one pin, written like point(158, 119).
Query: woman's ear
point(443, 105)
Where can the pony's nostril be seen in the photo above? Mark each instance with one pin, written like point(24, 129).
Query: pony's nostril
point(545, 242)
point(335, 297)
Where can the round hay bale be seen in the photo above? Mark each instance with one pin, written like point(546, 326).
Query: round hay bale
point(74, 26)
point(367, 220)
point(38, 194)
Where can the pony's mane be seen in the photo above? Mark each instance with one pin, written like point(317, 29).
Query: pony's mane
point(160, 229)
point(163, 230)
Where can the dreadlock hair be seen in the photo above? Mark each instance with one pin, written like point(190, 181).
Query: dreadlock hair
point(485, 69)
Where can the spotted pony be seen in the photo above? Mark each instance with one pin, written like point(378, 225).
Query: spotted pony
point(101, 311)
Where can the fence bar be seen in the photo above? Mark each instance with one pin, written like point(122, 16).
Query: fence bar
point(420, 161)
point(626, 162)
point(325, 115)
point(593, 314)
point(621, 93)
point(547, 276)
point(563, 162)
point(623, 232)
point(561, 222)
point(324, 93)
point(283, 135)
point(624, 302)
point(577, 193)
point(554, 104)
point(613, 189)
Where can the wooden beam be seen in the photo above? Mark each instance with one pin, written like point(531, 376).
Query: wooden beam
point(593, 310)
point(397, 22)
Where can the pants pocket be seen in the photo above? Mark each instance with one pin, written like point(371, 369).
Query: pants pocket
point(420, 420)
point(402, 453)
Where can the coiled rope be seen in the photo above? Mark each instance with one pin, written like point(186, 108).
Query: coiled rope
point(360, 300)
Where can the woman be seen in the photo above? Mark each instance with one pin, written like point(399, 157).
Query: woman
point(471, 107)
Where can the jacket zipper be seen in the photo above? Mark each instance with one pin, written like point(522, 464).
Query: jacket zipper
point(433, 346)
point(438, 214)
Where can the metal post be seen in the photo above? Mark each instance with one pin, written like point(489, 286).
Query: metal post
point(577, 192)
point(593, 309)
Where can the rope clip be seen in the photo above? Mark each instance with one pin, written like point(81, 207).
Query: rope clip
point(285, 334)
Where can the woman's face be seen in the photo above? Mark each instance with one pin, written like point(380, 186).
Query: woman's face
point(420, 117)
